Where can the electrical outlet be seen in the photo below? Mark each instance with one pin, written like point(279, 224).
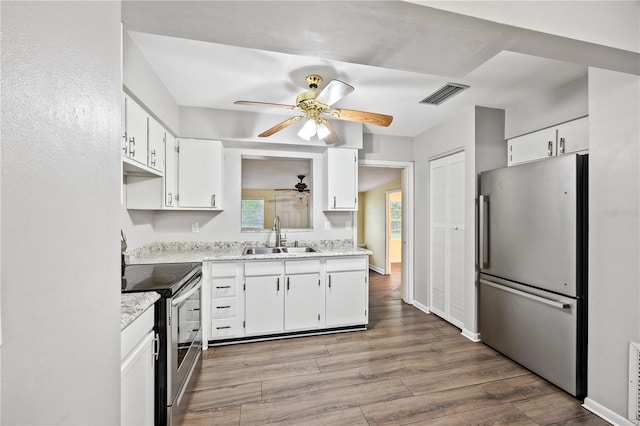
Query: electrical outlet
point(195, 227)
point(347, 225)
point(327, 225)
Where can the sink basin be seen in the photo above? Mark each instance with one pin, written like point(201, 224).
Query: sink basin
point(299, 250)
point(261, 250)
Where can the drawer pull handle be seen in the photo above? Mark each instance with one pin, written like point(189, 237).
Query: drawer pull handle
point(223, 307)
point(223, 286)
point(194, 309)
point(223, 328)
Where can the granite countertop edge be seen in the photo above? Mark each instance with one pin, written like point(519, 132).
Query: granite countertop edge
point(203, 253)
point(132, 305)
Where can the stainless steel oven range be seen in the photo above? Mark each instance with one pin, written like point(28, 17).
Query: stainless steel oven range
point(178, 322)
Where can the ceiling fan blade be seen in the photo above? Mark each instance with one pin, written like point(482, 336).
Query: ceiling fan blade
point(265, 104)
point(361, 116)
point(333, 92)
point(333, 136)
point(280, 126)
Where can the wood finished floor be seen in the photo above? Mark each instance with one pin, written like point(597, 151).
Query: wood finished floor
point(407, 368)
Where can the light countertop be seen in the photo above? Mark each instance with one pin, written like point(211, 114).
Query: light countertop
point(232, 251)
point(132, 305)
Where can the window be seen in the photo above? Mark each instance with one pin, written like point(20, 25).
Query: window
point(252, 213)
point(395, 210)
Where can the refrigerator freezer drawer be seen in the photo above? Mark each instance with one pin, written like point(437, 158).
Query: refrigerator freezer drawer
point(534, 328)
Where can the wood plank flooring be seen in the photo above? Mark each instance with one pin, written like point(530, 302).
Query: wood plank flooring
point(407, 368)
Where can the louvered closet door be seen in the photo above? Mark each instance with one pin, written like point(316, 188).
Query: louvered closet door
point(447, 238)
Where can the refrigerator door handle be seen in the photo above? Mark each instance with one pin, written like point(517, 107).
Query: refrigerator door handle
point(483, 236)
point(544, 300)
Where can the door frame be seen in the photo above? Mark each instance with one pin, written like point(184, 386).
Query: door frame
point(387, 243)
point(407, 172)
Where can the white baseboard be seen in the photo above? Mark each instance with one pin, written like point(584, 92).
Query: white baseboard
point(422, 307)
point(377, 269)
point(474, 337)
point(603, 412)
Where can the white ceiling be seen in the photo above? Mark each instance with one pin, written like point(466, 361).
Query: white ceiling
point(370, 177)
point(210, 75)
point(211, 53)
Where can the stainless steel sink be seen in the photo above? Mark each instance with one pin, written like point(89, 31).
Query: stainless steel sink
point(299, 250)
point(261, 250)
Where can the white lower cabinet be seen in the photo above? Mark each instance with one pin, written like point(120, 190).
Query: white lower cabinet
point(263, 298)
point(302, 295)
point(273, 297)
point(137, 388)
point(223, 300)
point(347, 292)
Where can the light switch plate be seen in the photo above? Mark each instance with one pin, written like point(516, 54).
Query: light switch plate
point(327, 225)
point(347, 225)
point(195, 227)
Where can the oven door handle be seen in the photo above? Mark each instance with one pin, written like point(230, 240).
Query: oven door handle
point(179, 300)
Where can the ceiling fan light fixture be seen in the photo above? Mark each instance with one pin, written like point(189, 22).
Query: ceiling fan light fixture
point(323, 131)
point(308, 130)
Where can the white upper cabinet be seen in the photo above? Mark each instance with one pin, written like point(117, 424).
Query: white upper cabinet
point(200, 173)
point(566, 138)
point(135, 131)
point(341, 179)
point(157, 135)
point(573, 136)
point(170, 171)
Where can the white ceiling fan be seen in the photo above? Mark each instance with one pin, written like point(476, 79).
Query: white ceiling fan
point(317, 106)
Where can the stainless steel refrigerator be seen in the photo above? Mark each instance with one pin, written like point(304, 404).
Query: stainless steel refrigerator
point(533, 267)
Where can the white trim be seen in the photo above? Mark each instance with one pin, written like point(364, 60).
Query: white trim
point(422, 307)
point(377, 269)
point(474, 337)
point(605, 413)
point(407, 221)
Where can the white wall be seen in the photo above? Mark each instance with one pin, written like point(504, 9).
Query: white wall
point(61, 113)
point(479, 132)
point(225, 225)
point(564, 103)
point(143, 83)
point(614, 234)
point(386, 148)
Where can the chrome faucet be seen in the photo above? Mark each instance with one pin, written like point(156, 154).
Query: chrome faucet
point(276, 227)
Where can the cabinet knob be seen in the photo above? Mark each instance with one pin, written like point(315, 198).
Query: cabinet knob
point(334, 202)
point(213, 200)
point(550, 149)
point(561, 145)
point(132, 146)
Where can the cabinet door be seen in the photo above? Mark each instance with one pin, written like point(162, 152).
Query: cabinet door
point(170, 172)
point(156, 145)
point(341, 170)
point(136, 130)
point(264, 304)
point(302, 301)
point(346, 298)
point(137, 384)
point(573, 136)
point(531, 147)
point(200, 174)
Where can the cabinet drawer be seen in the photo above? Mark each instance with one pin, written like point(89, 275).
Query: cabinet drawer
point(347, 264)
point(224, 287)
point(301, 266)
point(223, 328)
point(224, 269)
point(224, 307)
point(262, 268)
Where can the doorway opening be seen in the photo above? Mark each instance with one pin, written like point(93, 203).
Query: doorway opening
point(384, 223)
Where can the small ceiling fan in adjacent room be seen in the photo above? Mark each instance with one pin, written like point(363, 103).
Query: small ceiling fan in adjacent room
point(317, 107)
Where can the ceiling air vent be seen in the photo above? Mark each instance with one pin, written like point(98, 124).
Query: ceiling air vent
point(444, 93)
